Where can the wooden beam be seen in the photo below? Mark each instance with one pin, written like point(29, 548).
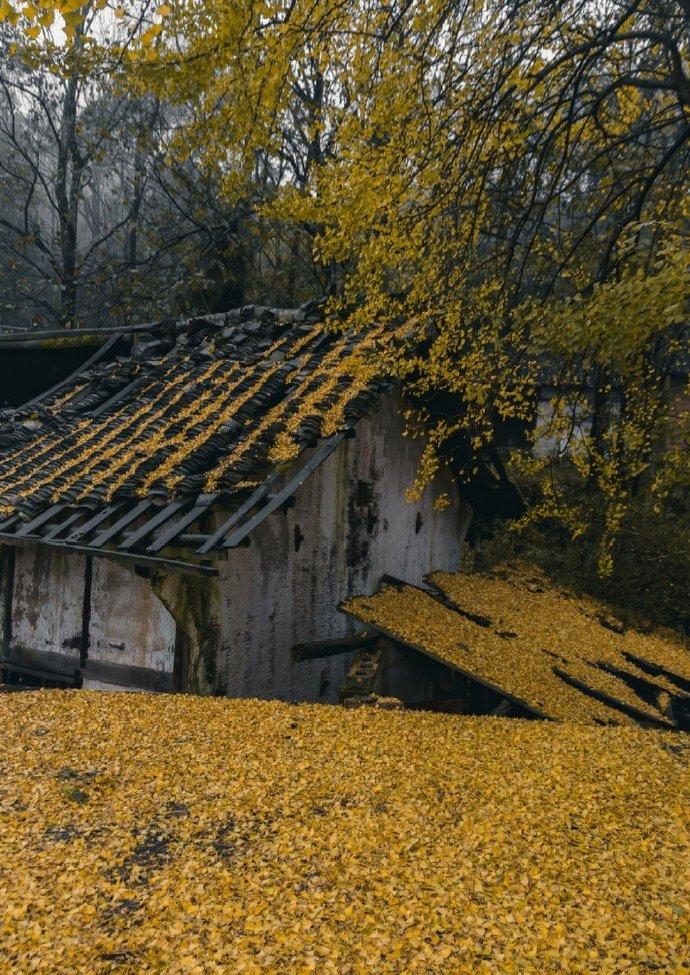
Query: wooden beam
point(94, 522)
point(332, 648)
point(115, 529)
point(204, 502)
point(128, 559)
point(64, 335)
point(29, 527)
point(96, 357)
point(258, 495)
point(62, 526)
point(139, 534)
point(313, 464)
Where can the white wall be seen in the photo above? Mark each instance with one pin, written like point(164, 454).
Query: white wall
point(129, 624)
point(47, 600)
point(272, 596)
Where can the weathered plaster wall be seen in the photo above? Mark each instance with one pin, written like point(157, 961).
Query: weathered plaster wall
point(47, 601)
point(128, 624)
point(124, 624)
point(350, 525)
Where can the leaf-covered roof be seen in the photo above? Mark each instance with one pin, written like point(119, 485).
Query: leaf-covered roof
point(201, 406)
point(561, 656)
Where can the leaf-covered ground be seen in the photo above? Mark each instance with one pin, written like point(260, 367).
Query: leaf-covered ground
point(179, 834)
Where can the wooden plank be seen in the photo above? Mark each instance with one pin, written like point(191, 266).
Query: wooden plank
point(121, 523)
point(656, 670)
point(144, 678)
point(85, 637)
point(30, 526)
point(436, 593)
point(137, 383)
point(204, 502)
point(47, 663)
point(440, 596)
point(59, 528)
point(313, 464)
point(612, 702)
point(149, 526)
point(94, 522)
point(38, 673)
point(332, 648)
point(258, 495)
point(7, 560)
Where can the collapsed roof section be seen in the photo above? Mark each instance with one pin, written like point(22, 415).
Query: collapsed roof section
point(132, 450)
point(555, 655)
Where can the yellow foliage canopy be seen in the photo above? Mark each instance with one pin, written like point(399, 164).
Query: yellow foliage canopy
point(510, 183)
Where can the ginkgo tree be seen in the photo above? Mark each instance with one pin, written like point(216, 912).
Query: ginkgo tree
point(67, 16)
point(508, 179)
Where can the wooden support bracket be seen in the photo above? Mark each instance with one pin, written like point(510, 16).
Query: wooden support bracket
point(362, 675)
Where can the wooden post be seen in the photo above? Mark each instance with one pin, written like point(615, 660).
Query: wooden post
point(7, 561)
point(86, 612)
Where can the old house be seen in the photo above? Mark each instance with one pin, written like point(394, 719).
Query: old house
point(190, 503)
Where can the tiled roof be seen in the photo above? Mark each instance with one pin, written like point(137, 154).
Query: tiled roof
point(557, 655)
point(207, 405)
point(128, 456)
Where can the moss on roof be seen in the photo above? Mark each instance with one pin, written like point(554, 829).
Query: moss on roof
point(186, 835)
point(559, 654)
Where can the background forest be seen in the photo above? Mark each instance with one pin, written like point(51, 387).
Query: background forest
point(503, 185)
point(99, 223)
